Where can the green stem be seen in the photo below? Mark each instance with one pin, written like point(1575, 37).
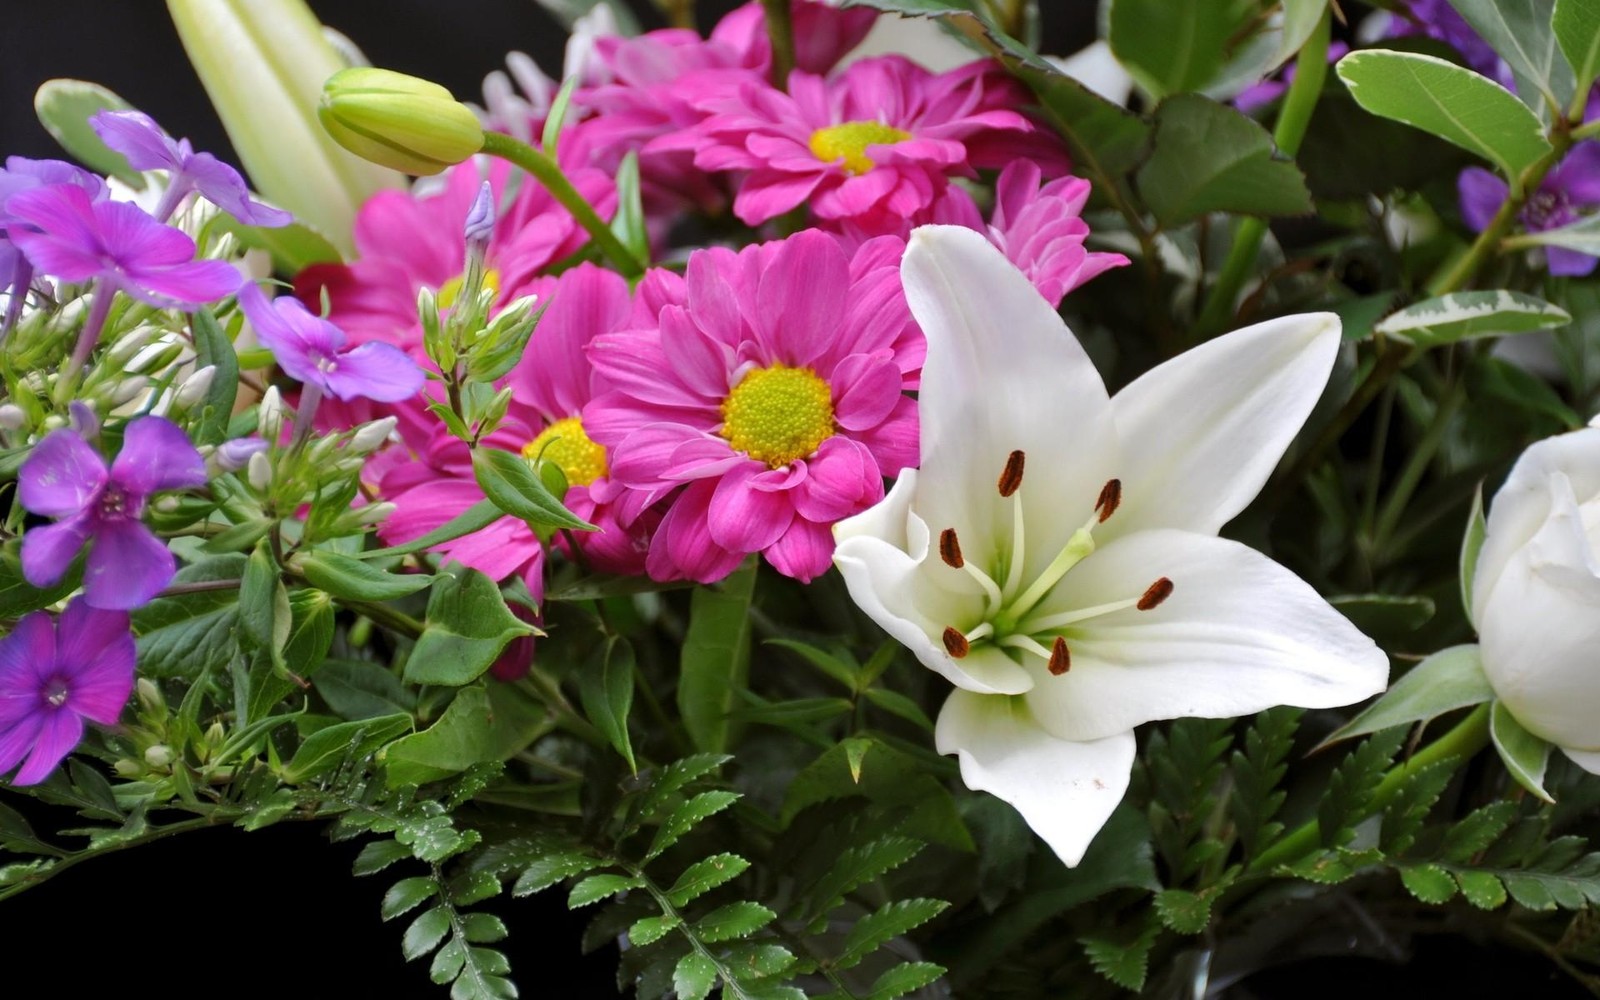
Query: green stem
point(1588, 131)
point(1469, 736)
point(548, 690)
point(547, 173)
point(780, 28)
point(1416, 464)
point(70, 860)
point(1310, 70)
point(382, 614)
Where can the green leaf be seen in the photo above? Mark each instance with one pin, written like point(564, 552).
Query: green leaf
point(855, 867)
point(1449, 679)
point(17, 595)
point(1125, 964)
point(1482, 827)
point(356, 689)
point(1571, 888)
point(735, 920)
point(183, 636)
point(555, 120)
point(1471, 545)
point(478, 726)
point(1408, 810)
point(703, 876)
point(898, 704)
point(342, 576)
point(903, 979)
point(1470, 315)
point(1257, 772)
point(1576, 24)
point(264, 605)
point(1331, 867)
point(598, 887)
point(425, 933)
point(1184, 911)
point(327, 748)
point(545, 872)
point(475, 518)
point(511, 484)
point(1210, 158)
point(483, 928)
point(1352, 786)
point(293, 247)
point(406, 895)
point(1525, 755)
point(1385, 614)
point(606, 689)
point(1521, 33)
point(687, 816)
point(652, 929)
point(467, 626)
point(1443, 99)
point(883, 925)
point(863, 767)
point(64, 108)
point(212, 347)
point(1174, 46)
point(378, 855)
point(830, 665)
point(694, 976)
point(628, 224)
point(675, 777)
point(1429, 883)
point(1582, 236)
point(715, 663)
point(1482, 889)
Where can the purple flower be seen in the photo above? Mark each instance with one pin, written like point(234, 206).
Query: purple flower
point(1258, 95)
point(1438, 19)
point(311, 350)
point(22, 174)
point(66, 479)
point(54, 677)
point(148, 147)
point(1565, 195)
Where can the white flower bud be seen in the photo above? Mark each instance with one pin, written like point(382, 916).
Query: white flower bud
point(128, 390)
point(120, 353)
point(373, 436)
point(149, 695)
point(269, 414)
point(159, 755)
point(259, 472)
point(194, 388)
point(11, 417)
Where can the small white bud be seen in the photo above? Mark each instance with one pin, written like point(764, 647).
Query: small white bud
point(149, 694)
point(373, 436)
point(11, 416)
point(120, 353)
point(373, 513)
point(194, 388)
point(128, 390)
point(269, 414)
point(166, 505)
point(159, 755)
point(259, 472)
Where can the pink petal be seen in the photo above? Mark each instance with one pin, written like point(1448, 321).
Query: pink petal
point(799, 308)
point(804, 552)
point(683, 547)
point(374, 371)
point(866, 390)
point(742, 519)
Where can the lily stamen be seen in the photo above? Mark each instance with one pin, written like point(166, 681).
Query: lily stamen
point(1155, 594)
point(1110, 499)
point(1011, 475)
point(955, 643)
point(950, 549)
point(1060, 657)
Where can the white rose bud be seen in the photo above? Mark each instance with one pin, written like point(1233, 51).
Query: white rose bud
point(194, 388)
point(1536, 593)
point(259, 472)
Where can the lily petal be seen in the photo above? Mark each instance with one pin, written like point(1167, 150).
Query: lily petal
point(1201, 432)
point(1237, 634)
point(1065, 791)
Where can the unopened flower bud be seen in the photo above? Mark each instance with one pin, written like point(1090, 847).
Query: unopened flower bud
point(231, 456)
point(11, 417)
point(120, 353)
point(269, 414)
point(194, 388)
point(480, 220)
point(373, 436)
point(82, 418)
point(128, 390)
point(216, 733)
point(149, 695)
point(361, 517)
point(259, 472)
point(159, 755)
point(398, 121)
point(128, 768)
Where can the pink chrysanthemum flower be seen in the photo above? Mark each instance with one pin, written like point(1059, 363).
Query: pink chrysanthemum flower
point(551, 386)
point(773, 395)
point(874, 145)
point(823, 34)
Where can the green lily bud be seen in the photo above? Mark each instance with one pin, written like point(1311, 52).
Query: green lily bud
point(398, 121)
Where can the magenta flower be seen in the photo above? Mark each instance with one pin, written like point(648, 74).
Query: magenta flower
point(312, 351)
point(66, 479)
point(823, 34)
point(1567, 194)
point(875, 144)
point(52, 677)
point(148, 147)
point(773, 395)
point(22, 174)
point(75, 238)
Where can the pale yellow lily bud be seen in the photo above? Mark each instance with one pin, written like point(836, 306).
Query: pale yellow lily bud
point(400, 121)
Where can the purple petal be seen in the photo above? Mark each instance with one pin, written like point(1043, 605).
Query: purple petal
point(136, 240)
point(1564, 263)
point(191, 283)
point(222, 185)
point(67, 244)
point(376, 371)
point(59, 732)
point(296, 338)
point(22, 174)
point(127, 566)
point(157, 455)
point(136, 136)
point(25, 655)
point(47, 552)
point(60, 475)
point(1578, 176)
point(96, 651)
point(1482, 194)
point(17, 739)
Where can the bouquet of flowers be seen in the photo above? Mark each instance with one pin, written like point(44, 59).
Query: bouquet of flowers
point(860, 507)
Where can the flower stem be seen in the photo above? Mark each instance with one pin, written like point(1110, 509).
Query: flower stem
point(1416, 464)
point(547, 173)
point(1468, 736)
point(1310, 69)
point(89, 336)
point(780, 28)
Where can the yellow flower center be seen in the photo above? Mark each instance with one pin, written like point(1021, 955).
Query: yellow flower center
point(451, 290)
point(779, 414)
point(564, 443)
point(849, 142)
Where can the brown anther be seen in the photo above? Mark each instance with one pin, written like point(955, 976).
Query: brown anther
point(955, 643)
point(950, 549)
point(1060, 658)
point(1011, 478)
point(1155, 594)
point(1110, 499)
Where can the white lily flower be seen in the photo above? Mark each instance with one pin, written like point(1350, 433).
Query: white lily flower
point(1056, 555)
point(1536, 593)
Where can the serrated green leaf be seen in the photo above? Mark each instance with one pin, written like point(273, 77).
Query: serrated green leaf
point(1408, 810)
point(342, 576)
point(677, 776)
point(425, 933)
point(406, 895)
point(598, 887)
point(1331, 867)
point(1449, 679)
point(606, 690)
point(1460, 316)
point(1482, 889)
point(1123, 964)
point(64, 108)
point(1184, 911)
point(855, 867)
point(735, 920)
point(885, 924)
point(1443, 99)
point(715, 663)
point(545, 872)
point(483, 928)
point(694, 976)
point(1429, 883)
point(1471, 545)
point(1477, 831)
point(1576, 24)
point(904, 979)
point(510, 482)
point(1207, 157)
point(1524, 754)
point(651, 929)
point(866, 767)
point(1353, 784)
point(705, 875)
point(327, 748)
point(448, 962)
point(1257, 772)
point(468, 624)
point(473, 887)
point(688, 815)
point(758, 961)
